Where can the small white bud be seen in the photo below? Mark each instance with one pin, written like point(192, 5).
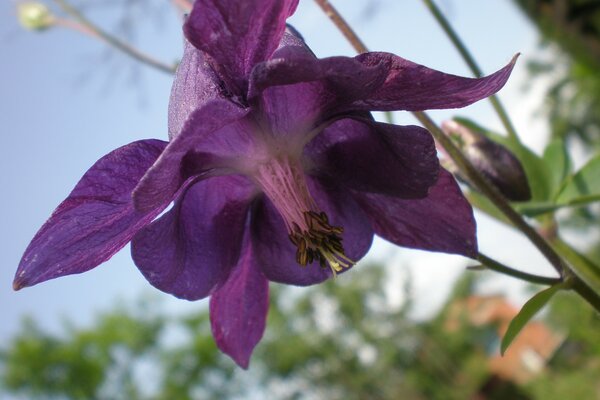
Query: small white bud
point(34, 16)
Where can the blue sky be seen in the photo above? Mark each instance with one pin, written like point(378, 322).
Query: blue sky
point(63, 106)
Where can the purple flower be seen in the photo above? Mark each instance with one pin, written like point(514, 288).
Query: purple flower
point(276, 170)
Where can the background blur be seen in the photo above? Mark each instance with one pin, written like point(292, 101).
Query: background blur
point(403, 322)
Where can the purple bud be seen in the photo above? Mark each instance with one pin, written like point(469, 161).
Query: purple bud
point(493, 160)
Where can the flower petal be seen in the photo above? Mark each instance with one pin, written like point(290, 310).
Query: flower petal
point(238, 310)
point(374, 81)
point(195, 84)
point(368, 156)
point(443, 221)
point(190, 250)
point(298, 91)
point(413, 87)
point(95, 221)
point(277, 254)
point(166, 175)
point(236, 35)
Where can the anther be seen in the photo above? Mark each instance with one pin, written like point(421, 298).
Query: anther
point(320, 242)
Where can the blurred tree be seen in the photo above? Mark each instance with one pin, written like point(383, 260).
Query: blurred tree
point(575, 368)
point(342, 340)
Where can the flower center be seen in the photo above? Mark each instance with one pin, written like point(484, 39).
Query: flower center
point(282, 180)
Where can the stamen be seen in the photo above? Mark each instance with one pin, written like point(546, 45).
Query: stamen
point(283, 181)
point(321, 242)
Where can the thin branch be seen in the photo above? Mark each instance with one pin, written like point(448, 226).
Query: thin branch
point(473, 66)
point(494, 265)
point(342, 25)
point(96, 31)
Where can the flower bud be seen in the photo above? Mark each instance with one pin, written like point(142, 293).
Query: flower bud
point(493, 160)
point(34, 16)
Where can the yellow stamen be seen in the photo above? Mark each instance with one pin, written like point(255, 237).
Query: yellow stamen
point(321, 242)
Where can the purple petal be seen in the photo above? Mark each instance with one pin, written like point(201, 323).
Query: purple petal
point(195, 84)
point(236, 35)
point(443, 221)
point(238, 310)
point(413, 87)
point(367, 156)
point(166, 175)
point(95, 221)
point(297, 90)
point(190, 250)
point(291, 37)
point(374, 81)
point(277, 254)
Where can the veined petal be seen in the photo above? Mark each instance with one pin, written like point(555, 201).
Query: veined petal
point(190, 250)
point(238, 309)
point(443, 221)
point(297, 90)
point(95, 221)
point(374, 81)
point(167, 175)
point(276, 252)
point(236, 35)
point(195, 84)
point(413, 87)
point(374, 157)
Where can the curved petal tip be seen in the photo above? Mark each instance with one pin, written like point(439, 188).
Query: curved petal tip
point(18, 284)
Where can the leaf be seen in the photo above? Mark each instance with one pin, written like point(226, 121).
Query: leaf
point(532, 307)
point(558, 162)
point(585, 183)
point(534, 166)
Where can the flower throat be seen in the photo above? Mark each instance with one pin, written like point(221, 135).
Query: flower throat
point(309, 230)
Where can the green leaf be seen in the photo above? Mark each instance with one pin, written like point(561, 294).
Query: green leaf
point(534, 166)
point(558, 162)
point(532, 307)
point(585, 183)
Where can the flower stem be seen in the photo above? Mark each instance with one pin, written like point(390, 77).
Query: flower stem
point(342, 25)
point(494, 265)
point(473, 66)
point(93, 30)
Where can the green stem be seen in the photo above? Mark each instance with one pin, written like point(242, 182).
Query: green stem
point(587, 293)
point(583, 268)
point(342, 25)
point(473, 66)
point(113, 41)
point(506, 270)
